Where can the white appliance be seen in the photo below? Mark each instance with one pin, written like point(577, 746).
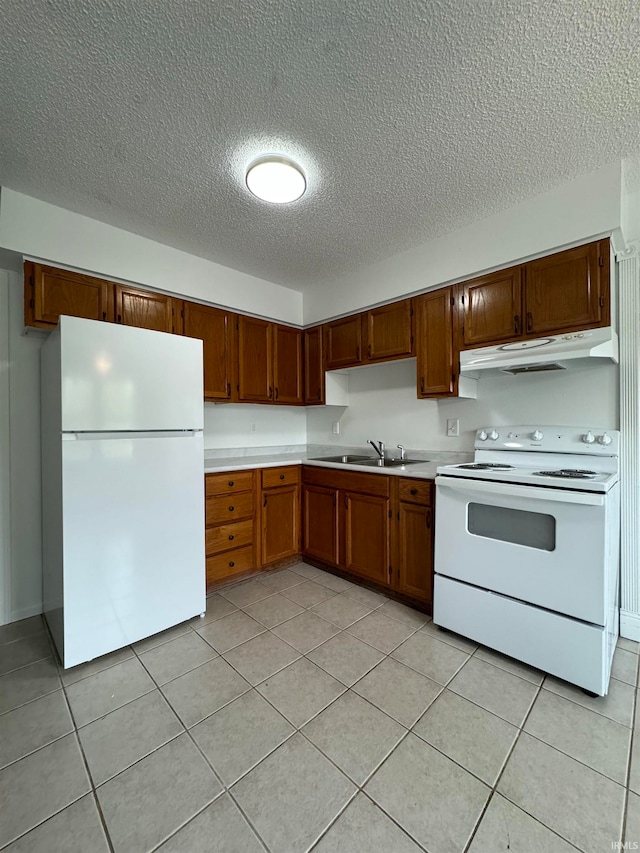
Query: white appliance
point(122, 485)
point(554, 352)
point(527, 548)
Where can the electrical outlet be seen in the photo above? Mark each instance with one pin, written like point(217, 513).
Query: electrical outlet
point(453, 426)
point(335, 427)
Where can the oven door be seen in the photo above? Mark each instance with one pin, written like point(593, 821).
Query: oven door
point(539, 545)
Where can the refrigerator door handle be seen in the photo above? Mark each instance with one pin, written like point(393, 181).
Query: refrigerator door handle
point(98, 436)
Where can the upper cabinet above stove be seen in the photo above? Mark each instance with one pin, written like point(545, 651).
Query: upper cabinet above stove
point(565, 291)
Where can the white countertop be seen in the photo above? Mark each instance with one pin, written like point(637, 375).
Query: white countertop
point(422, 470)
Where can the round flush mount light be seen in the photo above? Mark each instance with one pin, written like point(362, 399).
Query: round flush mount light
point(276, 179)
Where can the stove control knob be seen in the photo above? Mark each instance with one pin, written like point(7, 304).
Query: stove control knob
point(589, 438)
point(493, 435)
point(482, 435)
point(537, 435)
point(604, 439)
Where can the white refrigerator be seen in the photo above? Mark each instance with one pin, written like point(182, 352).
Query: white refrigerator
point(122, 485)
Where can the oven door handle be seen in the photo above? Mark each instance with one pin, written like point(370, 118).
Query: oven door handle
point(532, 493)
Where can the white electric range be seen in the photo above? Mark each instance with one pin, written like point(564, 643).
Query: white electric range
point(527, 548)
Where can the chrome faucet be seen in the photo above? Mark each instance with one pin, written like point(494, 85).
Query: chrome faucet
point(401, 449)
point(378, 446)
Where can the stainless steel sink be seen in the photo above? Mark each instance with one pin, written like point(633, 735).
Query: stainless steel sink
point(368, 461)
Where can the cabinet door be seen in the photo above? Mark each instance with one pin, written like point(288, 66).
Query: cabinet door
point(437, 371)
point(313, 366)
point(54, 292)
point(389, 332)
point(216, 330)
point(492, 308)
point(320, 523)
point(255, 375)
point(568, 290)
point(343, 342)
point(366, 536)
point(287, 365)
point(143, 309)
point(280, 523)
point(415, 551)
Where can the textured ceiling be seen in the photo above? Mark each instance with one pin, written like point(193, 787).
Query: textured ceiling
point(411, 118)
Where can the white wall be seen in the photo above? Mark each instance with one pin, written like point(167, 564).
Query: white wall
point(25, 571)
point(228, 425)
point(575, 212)
point(383, 405)
point(40, 230)
point(5, 471)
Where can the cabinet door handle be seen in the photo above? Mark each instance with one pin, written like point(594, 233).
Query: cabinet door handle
point(231, 537)
point(516, 324)
point(277, 393)
point(319, 393)
point(228, 389)
point(119, 318)
point(369, 350)
point(231, 508)
point(104, 314)
point(282, 476)
point(270, 392)
point(346, 501)
point(265, 501)
point(414, 491)
point(231, 564)
point(529, 321)
point(428, 519)
point(422, 384)
point(357, 353)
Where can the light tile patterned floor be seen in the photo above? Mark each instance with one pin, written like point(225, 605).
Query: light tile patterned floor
point(307, 713)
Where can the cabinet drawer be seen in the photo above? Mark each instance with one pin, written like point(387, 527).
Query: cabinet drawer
point(227, 536)
point(224, 508)
point(230, 563)
point(418, 491)
point(272, 477)
point(231, 481)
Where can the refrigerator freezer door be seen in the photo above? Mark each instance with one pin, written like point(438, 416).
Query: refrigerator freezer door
point(120, 378)
point(133, 540)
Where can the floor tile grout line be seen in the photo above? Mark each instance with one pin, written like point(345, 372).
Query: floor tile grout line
point(575, 701)
point(494, 787)
point(30, 701)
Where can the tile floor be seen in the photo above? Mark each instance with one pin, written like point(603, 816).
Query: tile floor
point(306, 713)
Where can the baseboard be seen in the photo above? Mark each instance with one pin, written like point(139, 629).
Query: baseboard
point(25, 612)
point(630, 625)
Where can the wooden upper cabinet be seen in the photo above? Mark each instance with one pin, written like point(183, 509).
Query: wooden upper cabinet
point(343, 342)
point(313, 366)
point(216, 329)
point(436, 368)
point(568, 290)
point(389, 331)
point(50, 292)
point(255, 367)
point(143, 309)
point(492, 308)
point(287, 365)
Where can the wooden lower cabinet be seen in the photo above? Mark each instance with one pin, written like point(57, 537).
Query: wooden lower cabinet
point(230, 510)
point(366, 536)
point(280, 513)
point(413, 547)
point(376, 527)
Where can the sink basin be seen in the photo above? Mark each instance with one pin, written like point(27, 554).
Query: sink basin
point(368, 461)
point(347, 459)
point(390, 463)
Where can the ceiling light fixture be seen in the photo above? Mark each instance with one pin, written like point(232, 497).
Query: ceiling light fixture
point(275, 178)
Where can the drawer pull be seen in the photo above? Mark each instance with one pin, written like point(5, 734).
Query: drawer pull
point(414, 491)
point(231, 508)
point(282, 476)
point(231, 483)
point(231, 564)
point(231, 537)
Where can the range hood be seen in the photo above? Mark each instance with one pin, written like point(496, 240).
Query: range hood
point(555, 352)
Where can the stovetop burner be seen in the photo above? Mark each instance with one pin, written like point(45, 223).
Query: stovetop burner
point(568, 474)
point(486, 466)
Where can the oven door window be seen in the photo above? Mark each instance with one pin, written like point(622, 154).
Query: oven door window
point(520, 527)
